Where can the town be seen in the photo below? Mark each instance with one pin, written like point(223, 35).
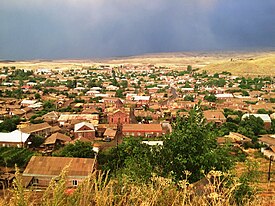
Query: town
point(48, 116)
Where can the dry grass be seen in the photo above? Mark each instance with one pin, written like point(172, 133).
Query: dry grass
point(244, 63)
point(98, 190)
point(255, 66)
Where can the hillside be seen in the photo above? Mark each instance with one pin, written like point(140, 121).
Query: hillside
point(253, 66)
point(238, 63)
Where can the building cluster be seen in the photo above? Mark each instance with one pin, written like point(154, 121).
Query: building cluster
point(108, 103)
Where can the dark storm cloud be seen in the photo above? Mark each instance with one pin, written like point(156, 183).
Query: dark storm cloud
point(100, 28)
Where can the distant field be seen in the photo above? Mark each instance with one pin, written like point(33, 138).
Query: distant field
point(238, 63)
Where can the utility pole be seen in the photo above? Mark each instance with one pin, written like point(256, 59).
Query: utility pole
point(269, 169)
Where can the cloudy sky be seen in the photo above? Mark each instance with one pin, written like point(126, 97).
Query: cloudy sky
point(55, 29)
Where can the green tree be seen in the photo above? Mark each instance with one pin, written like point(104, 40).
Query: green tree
point(9, 124)
point(189, 68)
point(36, 141)
point(48, 106)
point(192, 146)
point(119, 93)
point(252, 127)
point(131, 158)
point(78, 149)
point(210, 98)
point(189, 98)
point(37, 96)
point(262, 111)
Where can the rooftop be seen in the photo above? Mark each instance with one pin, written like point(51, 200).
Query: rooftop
point(52, 166)
point(142, 128)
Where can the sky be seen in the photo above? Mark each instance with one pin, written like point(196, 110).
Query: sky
point(83, 29)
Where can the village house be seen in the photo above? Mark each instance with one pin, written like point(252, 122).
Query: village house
point(15, 138)
point(110, 134)
point(234, 138)
point(20, 112)
point(27, 102)
point(142, 100)
point(42, 169)
point(42, 129)
point(216, 117)
point(119, 117)
point(143, 130)
point(224, 96)
point(56, 140)
point(69, 119)
point(269, 142)
point(51, 117)
point(101, 128)
point(84, 129)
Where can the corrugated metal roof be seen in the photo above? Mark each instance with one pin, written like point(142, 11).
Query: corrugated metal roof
point(142, 128)
point(14, 136)
point(57, 136)
point(52, 166)
point(35, 127)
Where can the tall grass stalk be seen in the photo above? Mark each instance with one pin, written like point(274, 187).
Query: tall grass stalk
point(97, 189)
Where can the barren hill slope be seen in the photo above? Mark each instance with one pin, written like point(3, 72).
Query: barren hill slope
point(257, 65)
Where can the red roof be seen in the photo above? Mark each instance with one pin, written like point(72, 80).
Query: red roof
point(142, 128)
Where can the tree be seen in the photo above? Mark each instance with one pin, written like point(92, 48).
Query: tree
point(119, 93)
point(262, 111)
point(37, 96)
point(188, 98)
point(48, 106)
point(189, 68)
point(251, 127)
point(36, 141)
point(210, 98)
point(131, 158)
point(192, 146)
point(9, 124)
point(78, 149)
point(228, 127)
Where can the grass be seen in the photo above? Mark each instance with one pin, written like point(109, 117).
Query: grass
point(99, 190)
point(258, 65)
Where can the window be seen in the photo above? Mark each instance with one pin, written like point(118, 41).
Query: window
point(75, 182)
point(35, 181)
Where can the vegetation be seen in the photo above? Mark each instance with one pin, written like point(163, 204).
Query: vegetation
point(252, 127)
point(191, 146)
point(98, 190)
point(11, 156)
point(189, 98)
point(9, 124)
point(210, 98)
point(78, 149)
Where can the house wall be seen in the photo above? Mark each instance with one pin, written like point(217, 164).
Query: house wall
point(141, 133)
point(42, 132)
point(142, 102)
point(87, 134)
point(11, 144)
point(119, 118)
point(45, 181)
point(267, 125)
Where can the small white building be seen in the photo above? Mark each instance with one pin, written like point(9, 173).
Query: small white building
point(15, 138)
